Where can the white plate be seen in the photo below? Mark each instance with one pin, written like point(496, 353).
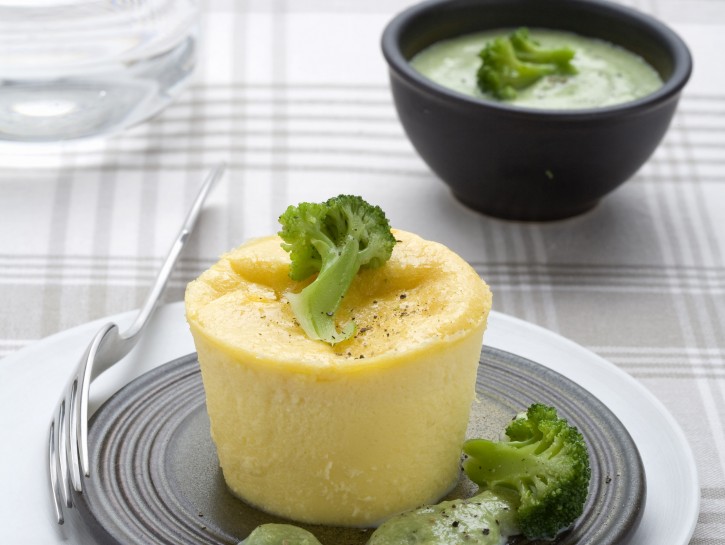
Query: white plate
point(31, 381)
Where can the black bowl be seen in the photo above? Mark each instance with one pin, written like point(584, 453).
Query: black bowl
point(524, 163)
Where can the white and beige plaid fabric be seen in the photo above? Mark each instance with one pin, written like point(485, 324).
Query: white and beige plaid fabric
point(293, 96)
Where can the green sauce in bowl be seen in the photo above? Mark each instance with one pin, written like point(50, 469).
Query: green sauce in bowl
point(606, 74)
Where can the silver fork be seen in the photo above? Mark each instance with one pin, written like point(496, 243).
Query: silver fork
point(68, 436)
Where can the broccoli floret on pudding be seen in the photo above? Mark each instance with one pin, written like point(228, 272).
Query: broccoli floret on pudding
point(334, 239)
point(545, 461)
point(515, 62)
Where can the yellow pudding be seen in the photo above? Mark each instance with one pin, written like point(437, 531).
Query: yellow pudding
point(348, 434)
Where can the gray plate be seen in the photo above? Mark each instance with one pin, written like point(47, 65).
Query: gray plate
point(155, 475)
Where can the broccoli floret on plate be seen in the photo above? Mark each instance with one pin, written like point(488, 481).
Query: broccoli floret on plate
point(544, 461)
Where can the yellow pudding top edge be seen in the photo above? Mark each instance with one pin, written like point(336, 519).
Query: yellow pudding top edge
point(424, 298)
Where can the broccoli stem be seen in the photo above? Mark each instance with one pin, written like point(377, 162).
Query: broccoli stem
point(316, 304)
point(529, 51)
point(504, 460)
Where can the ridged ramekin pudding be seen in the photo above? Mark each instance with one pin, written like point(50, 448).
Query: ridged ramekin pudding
point(348, 434)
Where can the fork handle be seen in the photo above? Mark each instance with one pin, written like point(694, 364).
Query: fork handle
point(109, 346)
point(152, 299)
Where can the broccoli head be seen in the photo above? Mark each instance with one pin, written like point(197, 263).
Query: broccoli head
point(515, 62)
point(545, 461)
point(333, 239)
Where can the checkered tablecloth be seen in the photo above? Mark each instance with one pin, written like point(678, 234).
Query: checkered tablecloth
point(293, 95)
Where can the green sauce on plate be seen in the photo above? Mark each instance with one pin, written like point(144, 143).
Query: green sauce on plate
point(484, 519)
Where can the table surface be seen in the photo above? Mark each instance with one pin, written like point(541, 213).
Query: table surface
point(301, 115)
